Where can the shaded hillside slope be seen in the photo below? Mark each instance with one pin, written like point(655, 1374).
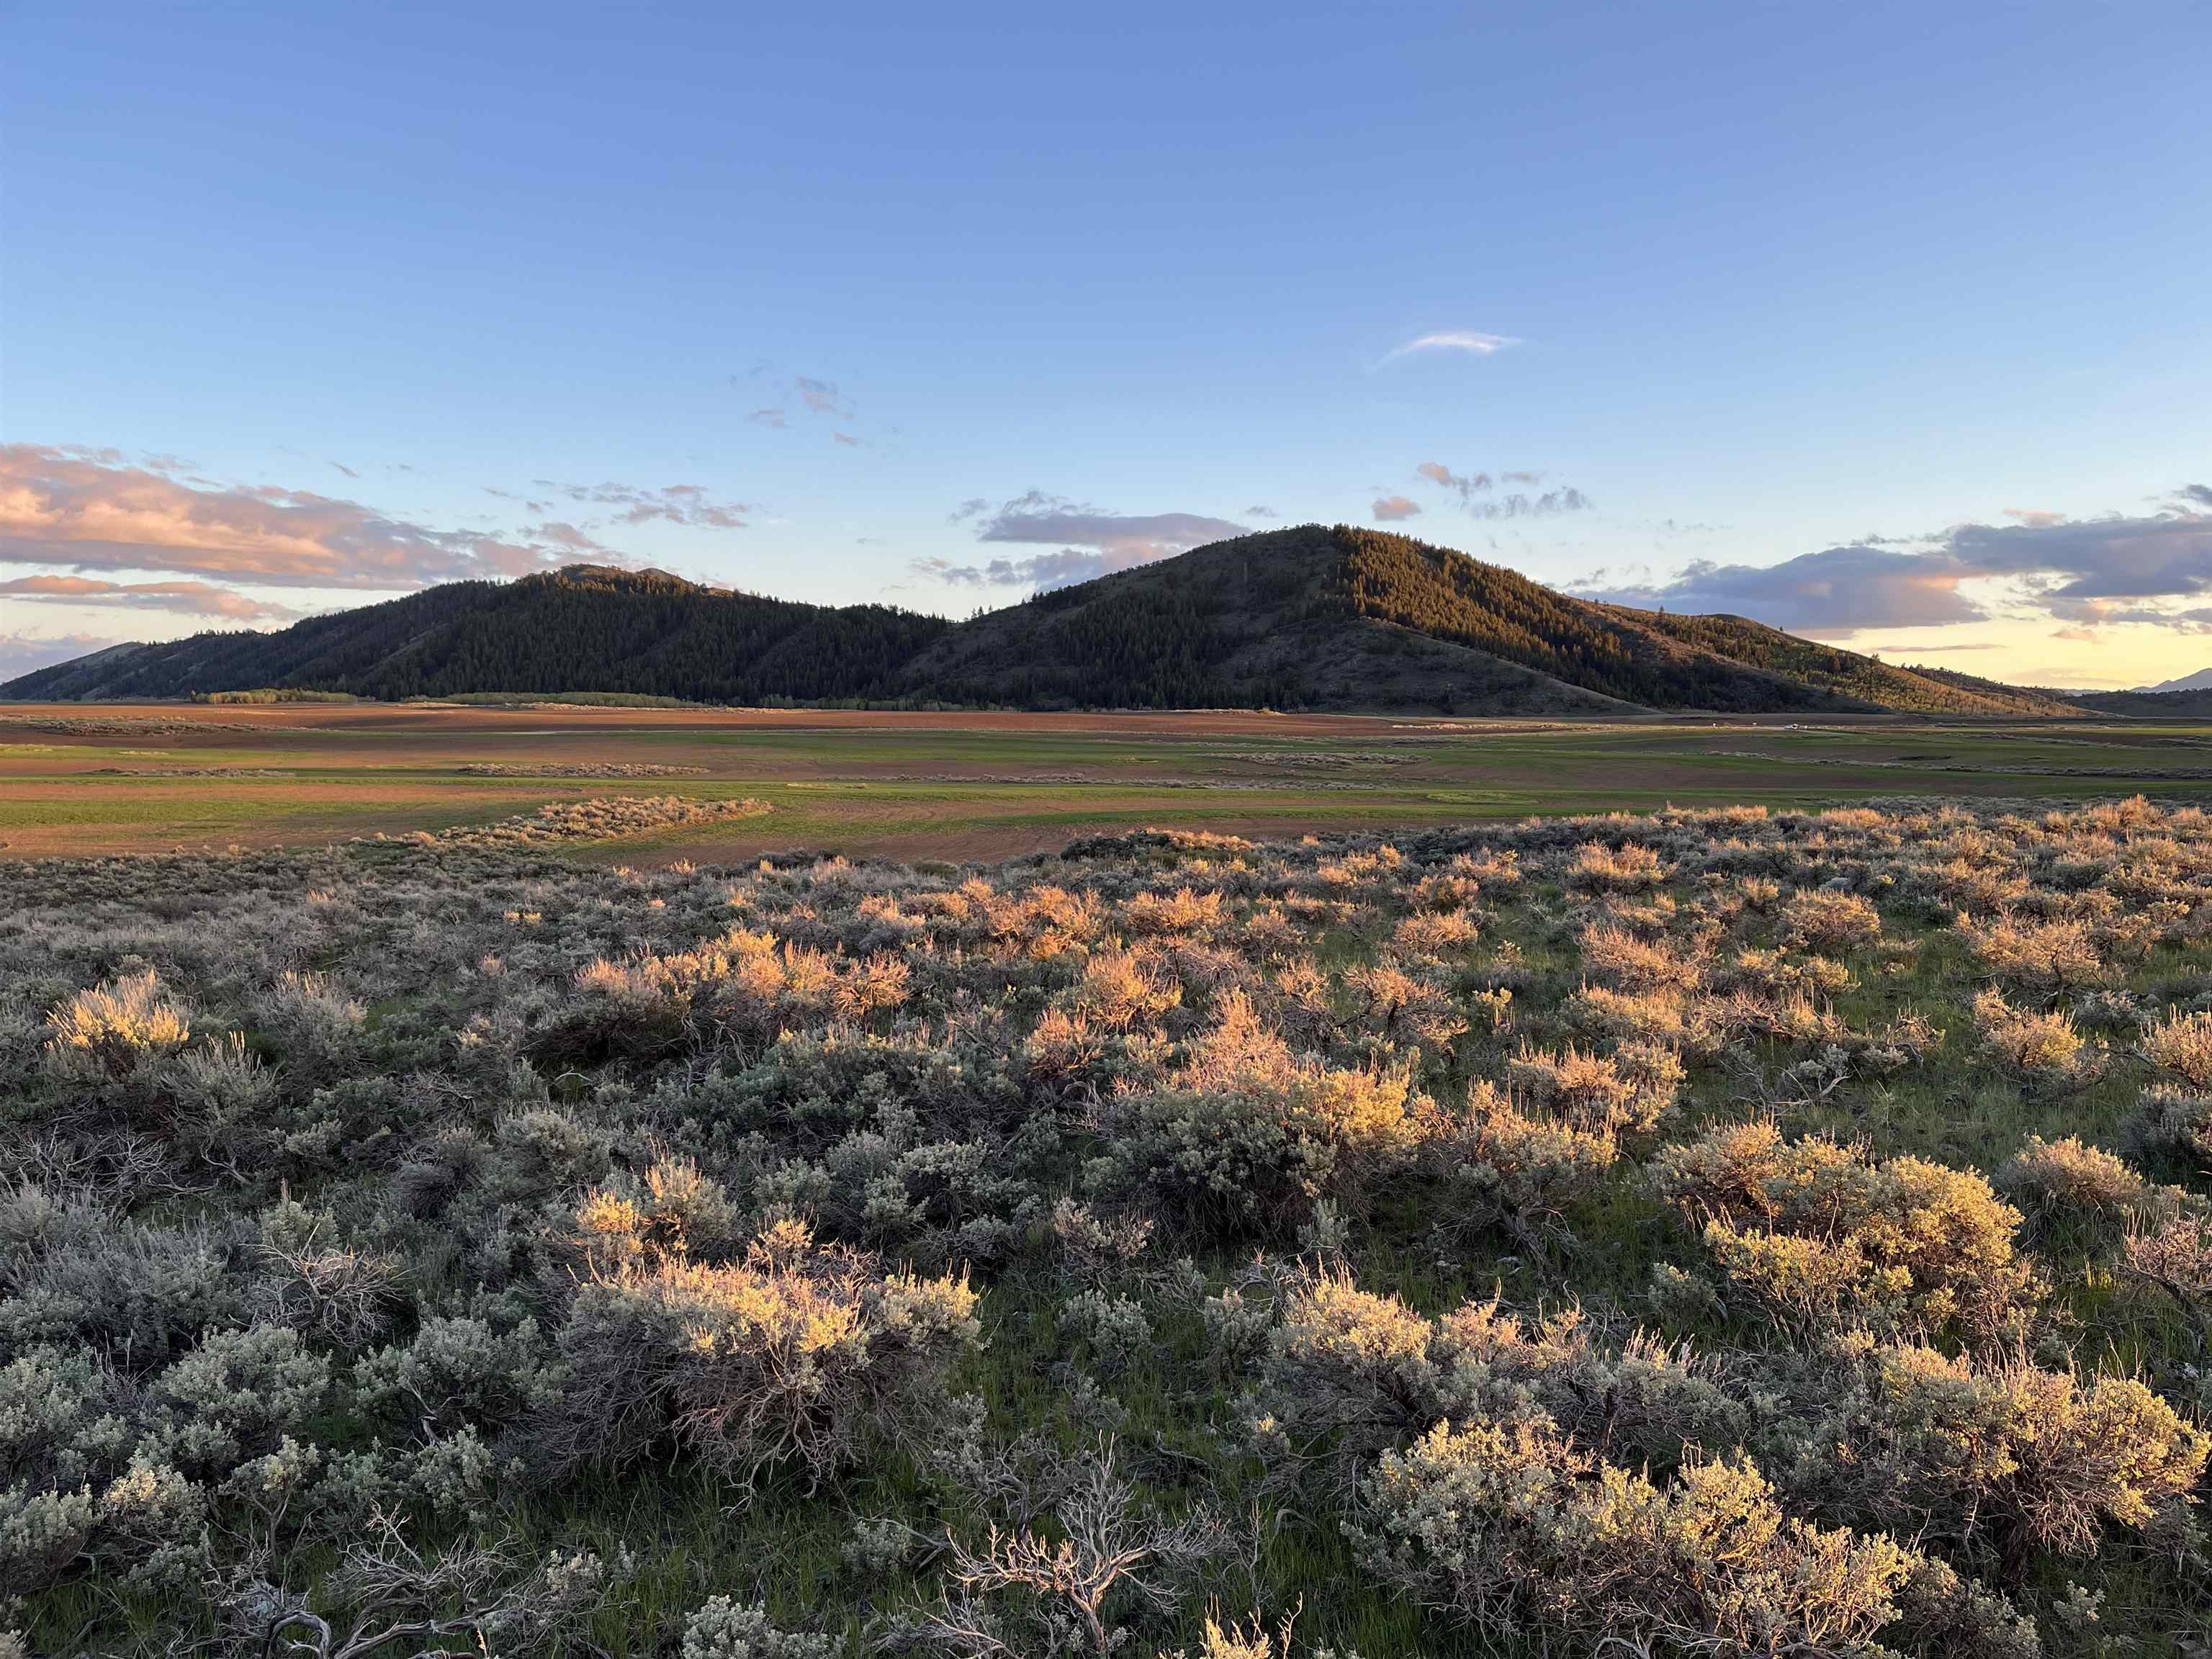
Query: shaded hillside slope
point(1448, 596)
point(1916, 690)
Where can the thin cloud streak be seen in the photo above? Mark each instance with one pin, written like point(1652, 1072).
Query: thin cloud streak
point(1469, 341)
point(191, 599)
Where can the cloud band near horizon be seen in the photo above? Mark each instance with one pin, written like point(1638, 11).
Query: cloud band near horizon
point(2083, 571)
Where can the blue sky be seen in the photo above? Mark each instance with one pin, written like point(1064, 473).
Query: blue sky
point(1893, 323)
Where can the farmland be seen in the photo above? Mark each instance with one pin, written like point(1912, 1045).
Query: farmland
point(100, 779)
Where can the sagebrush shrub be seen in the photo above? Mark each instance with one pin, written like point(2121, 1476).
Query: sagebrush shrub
point(1254, 1137)
point(1628, 868)
point(1818, 919)
point(1820, 1236)
point(236, 1396)
point(2177, 1122)
point(2175, 1258)
point(2030, 1046)
point(1627, 1091)
point(2041, 957)
point(1499, 1163)
point(723, 1629)
point(2182, 1044)
point(1998, 1458)
point(1349, 1373)
point(489, 1370)
point(115, 1027)
point(1115, 1327)
point(798, 1353)
point(1615, 956)
point(1510, 1528)
point(2069, 1181)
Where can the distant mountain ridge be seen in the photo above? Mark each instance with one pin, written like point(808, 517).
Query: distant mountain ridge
point(2200, 681)
point(1310, 617)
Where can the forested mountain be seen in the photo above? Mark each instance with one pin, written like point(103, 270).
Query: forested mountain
point(1308, 617)
point(584, 629)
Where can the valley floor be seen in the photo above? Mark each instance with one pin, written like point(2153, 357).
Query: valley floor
point(109, 778)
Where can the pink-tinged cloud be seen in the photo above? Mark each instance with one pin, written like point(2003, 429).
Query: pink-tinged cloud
point(2036, 517)
point(94, 511)
point(1389, 509)
point(1462, 484)
point(191, 599)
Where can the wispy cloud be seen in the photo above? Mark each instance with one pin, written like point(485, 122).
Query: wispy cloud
point(1466, 340)
point(816, 397)
point(1389, 509)
point(94, 510)
point(1088, 542)
point(1465, 485)
point(191, 598)
point(822, 397)
point(1474, 490)
point(560, 533)
point(683, 504)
